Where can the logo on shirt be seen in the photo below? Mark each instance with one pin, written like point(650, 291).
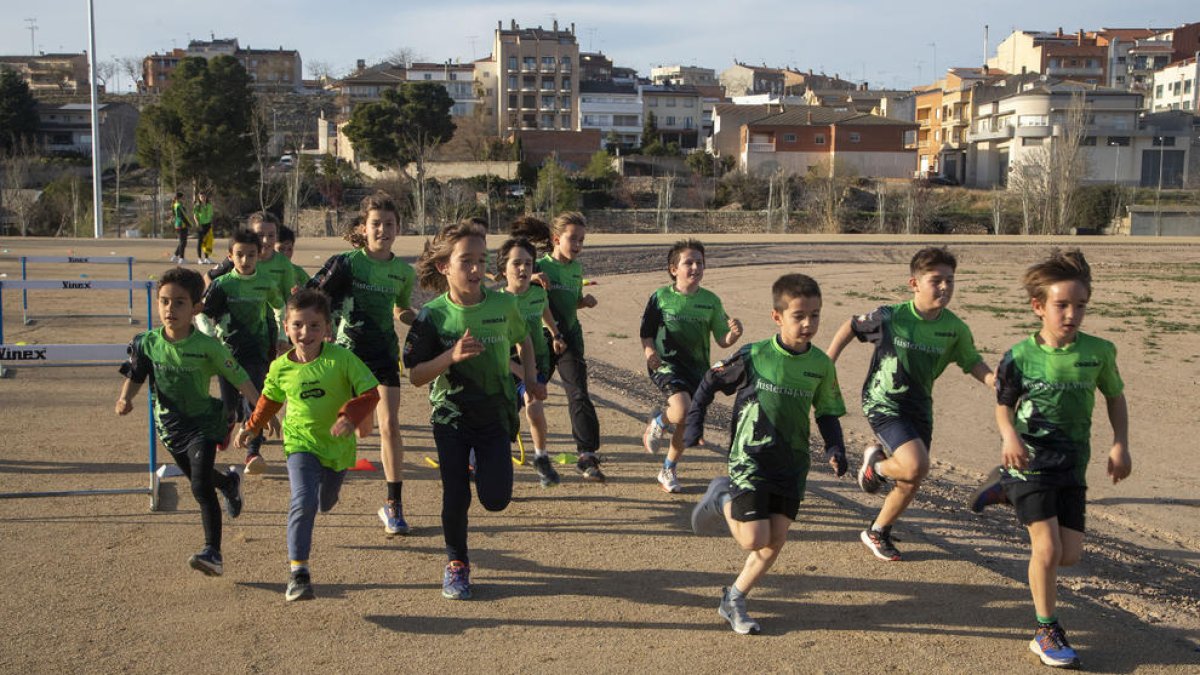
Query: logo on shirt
point(497, 319)
point(947, 334)
point(312, 393)
point(699, 306)
point(229, 364)
point(1087, 364)
point(815, 376)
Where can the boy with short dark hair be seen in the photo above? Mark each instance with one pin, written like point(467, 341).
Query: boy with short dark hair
point(179, 219)
point(180, 361)
point(776, 382)
point(914, 342)
point(1045, 392)
point(287, 246)
point(237, 310)
point(276, 268)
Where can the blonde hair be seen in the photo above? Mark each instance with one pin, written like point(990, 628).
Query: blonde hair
point(565, 219)
point(1062, 265)
point(438, 249)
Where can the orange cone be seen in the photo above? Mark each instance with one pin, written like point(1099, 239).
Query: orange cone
point(363, 464)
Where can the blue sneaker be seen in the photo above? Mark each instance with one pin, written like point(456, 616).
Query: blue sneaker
point(1050, 645)
point(232, 493)
point(207, 562)
point(456, 581)
point(991, 492)
point(393, 519)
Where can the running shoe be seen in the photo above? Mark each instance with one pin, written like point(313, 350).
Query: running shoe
point(991, 492)
point(299, 587)
point(207, 562)
point(255, 465)
point(589, 467)
point(868, 478)
point(653, 434)
point(392, 515)
point(707, 517)
point(456, 581)
point(1050, 645)
point(734, 611)
point(668, 480)
point(880, 543)
point(232, 492)
point(547, 476)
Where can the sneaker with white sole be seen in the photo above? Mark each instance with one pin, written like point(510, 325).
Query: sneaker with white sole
point(991, 492)
point(668, 480)
point(653, 435)
point(589, 467)
point(708, 519)
point(456, 581)
point(392, 515)
point(547, 476)
point(868, 478)
point(232, 493)
point(734, 611)
point(1051, 646)
point(255, 465)
point(299, 587)
point(880, 543)
point(208, 562)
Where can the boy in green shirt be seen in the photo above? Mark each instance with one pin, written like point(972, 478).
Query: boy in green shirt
point(914, 342)
point(775, 382)
point(180, 361)
point(179, 219)
point(328, 391)
point(202, 213)
point(275, 267)
point(287, 246)
point(237, 310)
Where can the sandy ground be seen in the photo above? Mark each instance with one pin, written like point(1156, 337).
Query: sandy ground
point(609, 578)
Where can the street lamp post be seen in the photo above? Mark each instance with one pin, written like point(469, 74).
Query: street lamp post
point(97, 204)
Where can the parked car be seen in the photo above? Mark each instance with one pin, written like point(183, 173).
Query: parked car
point(514, 190)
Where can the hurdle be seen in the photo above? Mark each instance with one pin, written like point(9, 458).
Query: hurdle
point(75, 260)
point(64, 355)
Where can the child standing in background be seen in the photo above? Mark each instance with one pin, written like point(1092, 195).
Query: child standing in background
point(287, 246)
point(202, 212)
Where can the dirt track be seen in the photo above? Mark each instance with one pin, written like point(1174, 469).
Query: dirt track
point(607, 578)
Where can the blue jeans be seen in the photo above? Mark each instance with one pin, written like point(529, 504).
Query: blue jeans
point(313, 485)
point(493, 478)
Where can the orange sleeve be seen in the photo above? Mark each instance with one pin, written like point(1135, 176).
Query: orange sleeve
point(359, 407)
point(263, 412)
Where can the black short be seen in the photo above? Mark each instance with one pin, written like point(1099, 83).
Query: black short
point(894, 432)
point(386, 370)
point(758, 505)
point(1035, 502)
point(671, 382)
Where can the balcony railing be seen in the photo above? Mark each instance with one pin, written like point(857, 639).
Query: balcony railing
point(548, 68)
point(760, 147)
point(988, 134)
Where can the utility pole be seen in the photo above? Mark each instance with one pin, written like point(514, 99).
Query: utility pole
point(32, 23)
point(97, 203)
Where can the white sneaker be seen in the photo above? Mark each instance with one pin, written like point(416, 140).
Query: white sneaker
point(707, 517)
point(652, 435)
point(734, 611)
point(669, 481)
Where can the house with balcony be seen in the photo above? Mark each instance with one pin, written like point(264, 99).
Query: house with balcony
point(614, 110)
point(678, 113)
point(1079, 56)
point(458, 79)
point(1015, 120)
point(66, 129)
point(50, 73)
point(679, 75)
point(810, 138)
point(943, 113)
point(534, 73)
point(1174, 87)
point(270, 70)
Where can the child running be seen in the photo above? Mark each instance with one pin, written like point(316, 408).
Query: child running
point(237, 311)
point(1045, 392)
point(328, 391)
point(775, 382)
point(287, 246)
point(676, 324)
point(460, 343)
point(514, 267)
point(179, 219)
point(180, 362)
point(202, 213)
point(914, 342)
point(276, 268)
point(369, 288)
point(564, 277)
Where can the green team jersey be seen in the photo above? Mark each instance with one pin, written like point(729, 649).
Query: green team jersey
point(531, 304)
point(203, 213)
point(479, 392)
point(279, 270)
point(775, 390)
point(314, 393)
point(240, 309)
point(364, 292)
point(300, 275)
point(910, 353)
point(179, 375)
point(179, 214)
point(1053, 391)
point(680, 326)
point(566, 289)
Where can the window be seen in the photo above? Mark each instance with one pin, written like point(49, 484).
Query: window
point(937, 135)
point(428, 76)
point(652, 102)
point(1121, 59)
point(626, 121)
point(566, 84)
point(453, 76)
point(1164, 141)
point(547, 103)
point(789, 138)
point(855, 137)
point(512, 100)
point(670, 103)
point(547, 121)
point(512, 81)
point(670, 121)
point(1187, 105)
point(1031, 121)
point(689, 103)
point(566, 121)
point(528, 101)
point(548, 61)
point(1031, 141)
point(512, 63)
point(1158, 91)
point(1187, 87)
point(547, 84)
point(1088, 141)
point(818, 139)
point(529, 62)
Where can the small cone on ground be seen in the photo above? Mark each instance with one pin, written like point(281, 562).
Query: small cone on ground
point(363, 464)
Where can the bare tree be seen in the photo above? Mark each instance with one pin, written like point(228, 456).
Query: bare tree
point(404, 57)
point(320, 70)
point(826, 185)
point(117, 144)
point(16, 167)
point(1068, 167)
point(916, 205)
point(269, 191)
point(131, 67)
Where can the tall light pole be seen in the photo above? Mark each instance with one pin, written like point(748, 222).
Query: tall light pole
point(97, 204)
point(1162, 144)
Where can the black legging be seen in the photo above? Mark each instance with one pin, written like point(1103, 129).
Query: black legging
point(493, 478)
point(181, 249)
point(236, 407)
point(585, 426)
point(204, 228)
point(196, 460)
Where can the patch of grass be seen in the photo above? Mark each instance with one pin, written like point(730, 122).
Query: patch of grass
point(1027, 325)
point(997, 310)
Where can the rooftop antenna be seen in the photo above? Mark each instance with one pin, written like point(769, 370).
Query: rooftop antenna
point(472, 39)
point(32, 23)
point(591, 39)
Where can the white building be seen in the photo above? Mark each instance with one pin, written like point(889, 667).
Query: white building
point(1175, 87)
point(457, 78)
point(611, 108)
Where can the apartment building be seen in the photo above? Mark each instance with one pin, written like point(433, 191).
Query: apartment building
point(810, 138)
point(1120, 42)
point(366, 84)
point(1078, 56)
point(1018, 117)
point(679, 76)
point(797, 83)
point(67, 128)
point(457, 78)
point(275, 70)
point(742, 80)
point(943, 114)
point(50, 73)
point(595, 67)
point(678, 113)
point(1175, 86)
point(534, 73)
point(614, 110)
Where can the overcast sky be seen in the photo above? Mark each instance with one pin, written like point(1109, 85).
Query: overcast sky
point(886, 42)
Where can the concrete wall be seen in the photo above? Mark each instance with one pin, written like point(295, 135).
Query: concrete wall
point(1174, 223)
